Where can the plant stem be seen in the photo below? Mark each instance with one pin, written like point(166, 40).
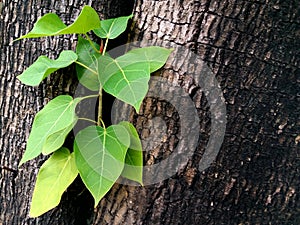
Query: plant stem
point(92, 44)
point(100, 121)
point(85, 66)
point(88, 96)
point(105, 46)
point(86, 119)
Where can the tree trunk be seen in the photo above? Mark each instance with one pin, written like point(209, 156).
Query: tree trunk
point(252, 48)
point(20, 103)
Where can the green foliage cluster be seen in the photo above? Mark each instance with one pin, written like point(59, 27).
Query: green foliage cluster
point(100, 153)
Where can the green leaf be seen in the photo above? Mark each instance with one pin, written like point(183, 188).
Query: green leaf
point(87, 56)
point(55, 175)
point(56, 140)
point(57, 116)
point(154, 55)
point(44, 66)
point(51, 25)
point(100, 155)
point(127, 76)
point(112, 28)
point(133, 168)
point(128, 83)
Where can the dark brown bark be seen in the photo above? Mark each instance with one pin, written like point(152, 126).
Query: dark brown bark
point(20, 103)
point(253, 49)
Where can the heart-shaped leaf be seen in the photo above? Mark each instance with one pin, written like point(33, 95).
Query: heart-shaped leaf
point(155, 56)
point(112, 28)
point(54, 177)
point(56, 140)
point(44, 66)
point(127, 76)
point(128, 83)
point(50, 24)
point(100, 155)
point(133, 168)
point(87, 56)
point(57, 116)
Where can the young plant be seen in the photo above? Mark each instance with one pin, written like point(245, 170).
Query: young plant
point(100, 154)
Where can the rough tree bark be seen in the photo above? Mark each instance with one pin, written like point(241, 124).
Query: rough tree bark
point(20, 103)
point(253, 49)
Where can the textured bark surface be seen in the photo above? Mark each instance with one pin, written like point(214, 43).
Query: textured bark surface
point(20, 103)
point(253, 49)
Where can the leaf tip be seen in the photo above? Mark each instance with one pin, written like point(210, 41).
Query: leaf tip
point(137, 109)
point(139, 181)
point(33, 215)
point(97, 202)
point(22, 162)
point(19, 77)
point(137, 106)
point(13, 41)
point(171, 50)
